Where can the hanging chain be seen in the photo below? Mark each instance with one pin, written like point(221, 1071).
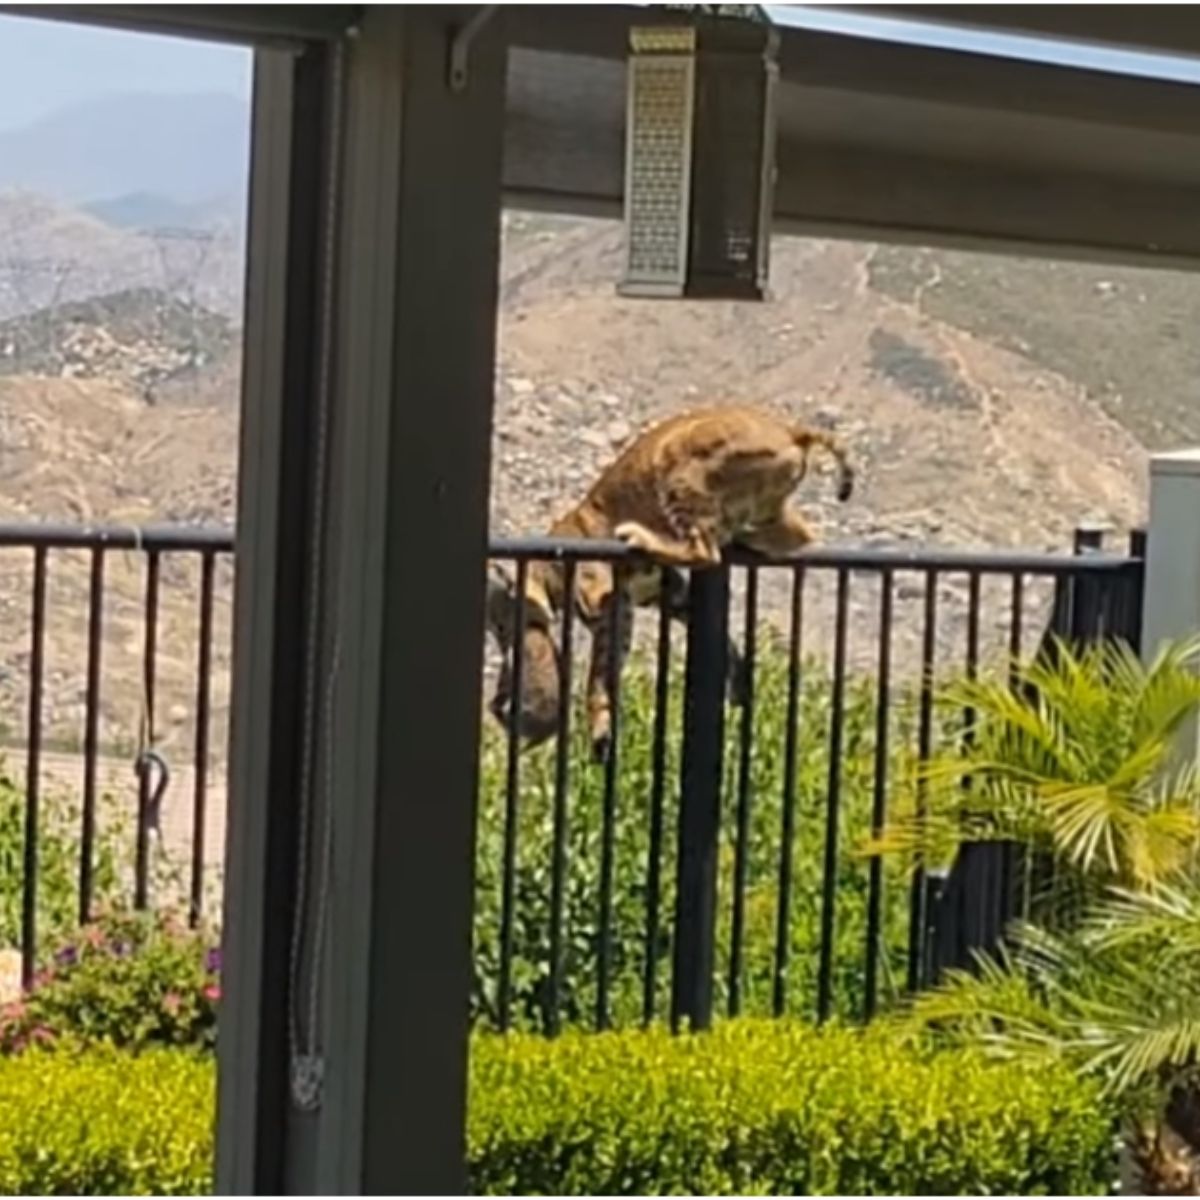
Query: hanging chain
point(307, 1064)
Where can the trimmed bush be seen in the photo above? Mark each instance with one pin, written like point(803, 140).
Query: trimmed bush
point(106, 1123)
point(755, 1107)
point(776, 1108)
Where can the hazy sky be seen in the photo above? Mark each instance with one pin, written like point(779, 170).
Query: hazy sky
point(46, 65)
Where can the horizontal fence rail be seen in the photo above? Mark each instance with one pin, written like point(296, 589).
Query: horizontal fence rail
point(707, 864)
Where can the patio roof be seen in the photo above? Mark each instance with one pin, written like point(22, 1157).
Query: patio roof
point(878, 138)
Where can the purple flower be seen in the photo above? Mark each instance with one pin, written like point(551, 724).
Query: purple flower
point(212, 960)
point(120, 948)
point(66, 956)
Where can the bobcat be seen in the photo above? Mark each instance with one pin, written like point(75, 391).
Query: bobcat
point(681, 492)
point(541, 663)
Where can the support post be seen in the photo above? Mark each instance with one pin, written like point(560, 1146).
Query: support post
point(1171, 605)
point(272, 605)
point(392, 718)
point(700, 798)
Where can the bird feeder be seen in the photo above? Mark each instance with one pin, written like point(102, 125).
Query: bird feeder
point(700, 159)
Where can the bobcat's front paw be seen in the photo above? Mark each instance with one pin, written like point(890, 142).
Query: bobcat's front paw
point(632, 534)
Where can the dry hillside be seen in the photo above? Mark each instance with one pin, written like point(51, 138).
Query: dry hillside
point(967, 430)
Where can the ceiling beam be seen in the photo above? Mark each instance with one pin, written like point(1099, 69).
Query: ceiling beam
point(263, 25)
point(1152, 28)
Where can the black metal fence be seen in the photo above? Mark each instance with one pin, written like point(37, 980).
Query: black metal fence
point(709, 861)
point(37, 557)
point(707, 815)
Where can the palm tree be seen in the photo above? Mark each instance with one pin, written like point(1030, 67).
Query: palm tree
point(1119, 997)
point(1079, 762)
point(1076, 761)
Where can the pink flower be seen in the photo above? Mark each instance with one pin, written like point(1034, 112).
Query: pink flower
point(211, 992)
point(93, 936)
point(13, 1011)
point(42, 1034)
point(171, 1002)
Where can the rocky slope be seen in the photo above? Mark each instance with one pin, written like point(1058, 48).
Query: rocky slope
point(965, 433)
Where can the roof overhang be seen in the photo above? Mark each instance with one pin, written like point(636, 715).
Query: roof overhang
point(877, 139)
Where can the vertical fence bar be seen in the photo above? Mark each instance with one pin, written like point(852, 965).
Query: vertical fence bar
point(973, 603)
point(1016, 613)
point(33, 771)
point(608, 832)
point(700, 797)
point(141, 885)
point(783, 915)
point(924, 740)
point(658, 771)
point(562, 770)
point(508, 881)
point(200, 760)
point(91, 730)
point(741, 866)
point(833, 800)
point(1137, 584)
point(879, 795)
point(33, 764)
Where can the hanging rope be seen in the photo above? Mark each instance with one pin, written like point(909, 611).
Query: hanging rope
point(147, 756)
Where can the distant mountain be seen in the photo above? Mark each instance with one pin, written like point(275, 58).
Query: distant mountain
point(51, 253)
point(151, 210)
point(182, 149)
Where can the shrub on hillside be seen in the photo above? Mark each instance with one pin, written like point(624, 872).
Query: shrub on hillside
point(127, 979)
point(756, 1107)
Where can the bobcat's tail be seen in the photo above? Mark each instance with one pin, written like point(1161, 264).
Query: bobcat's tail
point(807, 439)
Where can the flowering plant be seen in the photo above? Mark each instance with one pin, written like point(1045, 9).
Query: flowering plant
point(128, 979)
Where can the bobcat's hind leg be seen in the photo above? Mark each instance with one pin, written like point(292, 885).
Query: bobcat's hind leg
point(604, 672)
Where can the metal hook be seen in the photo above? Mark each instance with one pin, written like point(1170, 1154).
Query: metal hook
point(460, 45)
point(144, 761)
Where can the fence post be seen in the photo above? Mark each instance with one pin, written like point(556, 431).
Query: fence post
point(1076, 614)
point(1171, 605)
point(700, 798)
point(1136, 587)
point(1088, 594)
point(971, 905)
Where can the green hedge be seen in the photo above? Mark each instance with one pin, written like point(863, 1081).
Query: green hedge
point(104, 1122)
point(754, 1107)
point(771, 1108)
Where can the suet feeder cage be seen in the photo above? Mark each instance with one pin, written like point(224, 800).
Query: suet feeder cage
point(700, 159)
